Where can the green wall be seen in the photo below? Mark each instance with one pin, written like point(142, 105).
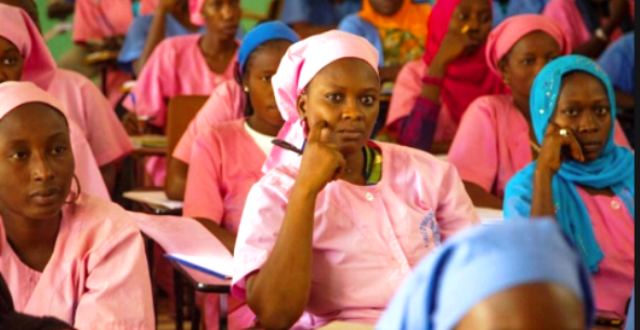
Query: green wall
point(59, 44)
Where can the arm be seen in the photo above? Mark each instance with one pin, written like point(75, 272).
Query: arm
point(226, 238)
point(418, 129)
point(156, 33)
point(109, 173)
point(619, 10)
point(279, 292)
point(482, 198)
point(389, 73)
point(176, 181)
point(542, 199)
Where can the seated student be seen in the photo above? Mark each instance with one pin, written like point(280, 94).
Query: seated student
point(591, 25)
point(100, 25)
point(171, 19)
point(63, 253)
point(228, 101)
point(431, 94)
point(330, 236)
point(524, 276)
point(581, 178)
point(227, 160)
point(187, 65)
point(22, 46)
point(495, 139)
point(309, 17)
point(396, 28)
point(618, 61)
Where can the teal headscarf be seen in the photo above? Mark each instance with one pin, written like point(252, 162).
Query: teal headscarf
point(613, 169)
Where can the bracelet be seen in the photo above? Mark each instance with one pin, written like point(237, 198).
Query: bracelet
point(429, 80)
point(599, 33)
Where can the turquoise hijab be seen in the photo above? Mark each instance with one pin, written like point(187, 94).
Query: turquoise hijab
point(613, 169)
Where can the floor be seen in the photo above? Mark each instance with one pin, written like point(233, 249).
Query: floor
point(165, 320)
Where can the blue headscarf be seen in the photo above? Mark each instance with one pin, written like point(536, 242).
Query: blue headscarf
point(260, 34)
point(629, 323)
point(613, 169)
point(483, 261)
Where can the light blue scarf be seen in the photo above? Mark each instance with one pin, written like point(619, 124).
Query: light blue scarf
point(613, 169)
point(480, 262)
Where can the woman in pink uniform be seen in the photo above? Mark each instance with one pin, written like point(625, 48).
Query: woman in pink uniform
point(430, 95)
point(63, 253)
point(581, 178)
point(495, 139)
point(332, 234)
point(591, 25)
point(228, 101)
point(187, 65)
point(22, 46)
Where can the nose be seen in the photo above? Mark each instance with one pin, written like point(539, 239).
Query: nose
point(227, 12)
point(474, 23)
point(40, 169)
point(352, 110)
point(539, 65)
point(588, 122)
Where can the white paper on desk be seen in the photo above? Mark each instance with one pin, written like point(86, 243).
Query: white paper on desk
point(490, 216)
point(188, 240)
point(153, 197)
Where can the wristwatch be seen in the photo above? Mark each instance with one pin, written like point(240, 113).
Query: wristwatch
point(601, 35)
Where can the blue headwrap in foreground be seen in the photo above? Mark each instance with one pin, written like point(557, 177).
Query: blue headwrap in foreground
point(481, 262)
point(262, 33)
point(613, 169)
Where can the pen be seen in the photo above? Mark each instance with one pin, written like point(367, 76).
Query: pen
point(286, 145)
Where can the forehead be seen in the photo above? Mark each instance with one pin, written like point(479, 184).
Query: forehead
point(473, 5)
point(31, 119)
point(6, 45)
point(347, 73)
point(583, 84)
point(536, 41)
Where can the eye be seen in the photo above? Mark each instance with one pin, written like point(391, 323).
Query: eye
point(9, 61)
point(58, 150)
point(368, 100)
point(19, 155)
point(485, 18)
point(265, 79)
point(528, 61)
point(570, 112)
point(334, 97)
point(463, 16)
point(601, 111)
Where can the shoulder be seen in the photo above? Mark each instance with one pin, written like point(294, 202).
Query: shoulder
point(489, 106)
point(411, 162)
point(553, 6)
point(72, 78)
point(177, 44)
point(99, 222)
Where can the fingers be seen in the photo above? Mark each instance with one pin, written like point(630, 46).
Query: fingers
point(574, 146)
point(315, 131)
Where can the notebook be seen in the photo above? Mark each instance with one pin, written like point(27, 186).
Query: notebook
point(490, 216)
point(187, 242)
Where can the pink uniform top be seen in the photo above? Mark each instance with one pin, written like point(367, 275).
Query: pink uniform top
point(225, 164)
point(405, 93)
point(614, 228)
point(87, 170)
point(84, 103)
point(366, 239)
point(176, 67)
point(493, 143)
point(100, 19)
point(567, 14)
point(148, 7)
point(97, 277)
point(226, 103)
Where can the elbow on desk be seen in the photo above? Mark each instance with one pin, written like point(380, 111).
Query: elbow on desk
point(275, 315)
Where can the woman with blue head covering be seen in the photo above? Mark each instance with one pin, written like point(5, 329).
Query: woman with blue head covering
point(581, 178)
point(520, 276)
point(250, 95)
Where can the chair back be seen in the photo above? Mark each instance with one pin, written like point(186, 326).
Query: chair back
point(180, 111)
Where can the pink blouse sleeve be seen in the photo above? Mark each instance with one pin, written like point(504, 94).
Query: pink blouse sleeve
point(154, 85)
point(455, 205)
point(87, 171)
point(108, 139)
point(405, 91)
point(226, 103)
point(474, 149)
point(117, 290)
point(203, 198)
point(99, 19)
point(568, 18)
point(261, 222)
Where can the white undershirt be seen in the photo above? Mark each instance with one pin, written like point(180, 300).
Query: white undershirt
point(263, 141)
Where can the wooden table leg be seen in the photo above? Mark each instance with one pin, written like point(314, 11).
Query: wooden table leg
point(178, 286)
point(224, 311)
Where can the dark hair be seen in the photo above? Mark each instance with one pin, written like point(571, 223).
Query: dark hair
point(248, 110)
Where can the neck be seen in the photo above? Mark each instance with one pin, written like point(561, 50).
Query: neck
point(522, 103)
point(263, 127)
point(211, 43)
point(354, 168)
point(30, 235)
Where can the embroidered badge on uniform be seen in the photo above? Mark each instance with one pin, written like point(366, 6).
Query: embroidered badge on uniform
point(429, 224)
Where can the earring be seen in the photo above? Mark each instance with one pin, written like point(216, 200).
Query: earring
point(77, 195)
point(246, 89)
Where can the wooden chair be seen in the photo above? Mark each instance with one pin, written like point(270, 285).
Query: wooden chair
point(180, 111)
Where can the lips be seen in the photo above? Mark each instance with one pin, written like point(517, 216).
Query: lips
point(350, 133)
point(591, 147)
point(46, 196)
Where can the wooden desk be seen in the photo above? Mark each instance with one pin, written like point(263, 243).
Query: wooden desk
point(200, 282)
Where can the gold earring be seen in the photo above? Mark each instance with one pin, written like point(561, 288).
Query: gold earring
point(246, 89)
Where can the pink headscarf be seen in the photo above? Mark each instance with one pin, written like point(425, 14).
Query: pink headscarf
point(195, 7)
point(14, 94)
point(39, 66)
point(299, 65)
point(467, 77)
point(509, 32)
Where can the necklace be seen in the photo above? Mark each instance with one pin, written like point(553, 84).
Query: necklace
point(534, 146)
